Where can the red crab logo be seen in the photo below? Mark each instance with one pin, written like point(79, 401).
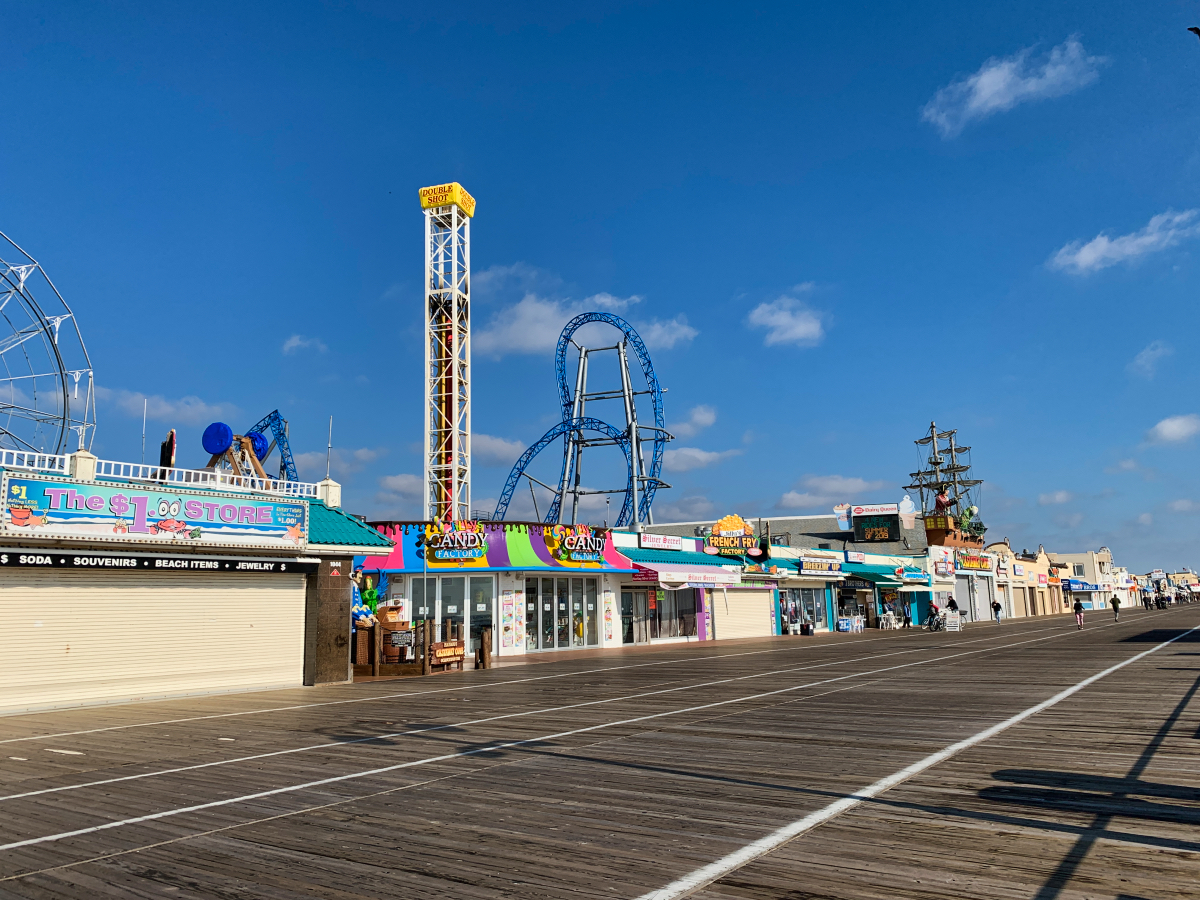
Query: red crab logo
point(168, 524)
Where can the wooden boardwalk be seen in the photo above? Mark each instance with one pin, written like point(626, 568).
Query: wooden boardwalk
point(623, 774)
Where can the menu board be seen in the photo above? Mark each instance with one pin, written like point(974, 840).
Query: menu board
point(877, 528)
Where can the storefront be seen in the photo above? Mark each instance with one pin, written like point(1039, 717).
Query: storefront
point(806, 589)
point(974, 584)
point(940, 564)
point(537, 587)
point(669, 597)
point(123, 589)
point(1091, 595)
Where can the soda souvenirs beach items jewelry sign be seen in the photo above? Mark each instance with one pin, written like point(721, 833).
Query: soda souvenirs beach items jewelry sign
point(92, 511)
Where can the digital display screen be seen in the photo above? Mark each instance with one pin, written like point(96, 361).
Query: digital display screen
point(876, 528)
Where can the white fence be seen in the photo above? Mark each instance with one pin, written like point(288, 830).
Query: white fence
point(37, 462)
point(202, 478)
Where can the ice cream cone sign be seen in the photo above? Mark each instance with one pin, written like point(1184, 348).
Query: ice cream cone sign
point(908, 512)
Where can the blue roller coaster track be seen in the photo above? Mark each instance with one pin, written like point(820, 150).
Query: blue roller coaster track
point(570, 426)
point(277, 425)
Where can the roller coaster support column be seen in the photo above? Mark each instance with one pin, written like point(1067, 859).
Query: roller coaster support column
point(635, 441)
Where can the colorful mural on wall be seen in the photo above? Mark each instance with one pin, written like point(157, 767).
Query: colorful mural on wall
point(471, 544)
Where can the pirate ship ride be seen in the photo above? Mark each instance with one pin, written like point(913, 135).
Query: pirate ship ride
point(947, 495)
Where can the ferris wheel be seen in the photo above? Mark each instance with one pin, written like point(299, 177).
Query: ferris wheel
point(46, 386)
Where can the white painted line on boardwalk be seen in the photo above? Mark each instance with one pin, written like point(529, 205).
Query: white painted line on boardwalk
point(460, 687)
point(706, 875)
point(67, 752)
point(327, 745)
point(506, 745)
point(360, 797)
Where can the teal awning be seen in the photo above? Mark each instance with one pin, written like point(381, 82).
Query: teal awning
point(885, 576)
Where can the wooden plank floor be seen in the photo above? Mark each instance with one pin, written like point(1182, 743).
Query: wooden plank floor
point(614, 775)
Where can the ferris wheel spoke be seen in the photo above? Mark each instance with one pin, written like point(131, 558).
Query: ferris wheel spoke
point(17, 339)
point(25, 412)
point(40, 361)
point(7, 437)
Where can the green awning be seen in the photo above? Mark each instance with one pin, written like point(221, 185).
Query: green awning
point(884, 576)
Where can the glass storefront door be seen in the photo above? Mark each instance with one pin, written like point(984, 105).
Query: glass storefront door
point(424, 592)
point(547, 602)
point(531, 614)
point(634, 608)
point(561, 613)
point(593, 613)
point(483, 611)
point(451, 605)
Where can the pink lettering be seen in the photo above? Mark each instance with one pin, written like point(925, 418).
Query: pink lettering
point(193, 509)
point(55, 495)
point(210, 511)
point(228, 513)
point(94, 502)
point(264, 516)
point(246, 514)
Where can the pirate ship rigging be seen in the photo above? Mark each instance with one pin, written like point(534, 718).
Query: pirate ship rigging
point(947, 496)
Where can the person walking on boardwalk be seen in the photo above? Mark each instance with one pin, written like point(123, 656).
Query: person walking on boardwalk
point(1079, 614)
point(907, 614)
point(996, 608)
point(1116, 605)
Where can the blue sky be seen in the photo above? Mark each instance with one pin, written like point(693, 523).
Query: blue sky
point(832, 222)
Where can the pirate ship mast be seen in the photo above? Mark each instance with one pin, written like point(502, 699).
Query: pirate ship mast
point(946, 495)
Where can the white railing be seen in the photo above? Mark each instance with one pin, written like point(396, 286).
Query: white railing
point(37, 462)
point(202, 478)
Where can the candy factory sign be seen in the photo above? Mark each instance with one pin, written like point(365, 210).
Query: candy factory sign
point(95, 511)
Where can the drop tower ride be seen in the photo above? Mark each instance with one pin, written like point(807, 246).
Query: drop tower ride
point(448, 211)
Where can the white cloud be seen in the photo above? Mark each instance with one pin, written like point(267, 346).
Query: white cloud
point(538, 308)
point(1053, 498)
point(532, 325)
point(827, 490)
point(699, 418)
point(1004, 82)
point(688, 509)
point(664, 335)
point(403, 484)
point(300, 342)
point(492, 450)
point(400, 495)
point(789, 320)
point(684, 459)
point(189, 410)
point(1163, 231)
point(605, 300)
point(1145, 519)
point(342, 462)
point(1184, 506)
point(1174, 429)
point(1145, 364)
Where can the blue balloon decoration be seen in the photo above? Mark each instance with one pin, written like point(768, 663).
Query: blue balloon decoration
point(258, 441)
point(217, 438)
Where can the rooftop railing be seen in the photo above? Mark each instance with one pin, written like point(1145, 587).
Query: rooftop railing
point(201, 478)
point(34, 462)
